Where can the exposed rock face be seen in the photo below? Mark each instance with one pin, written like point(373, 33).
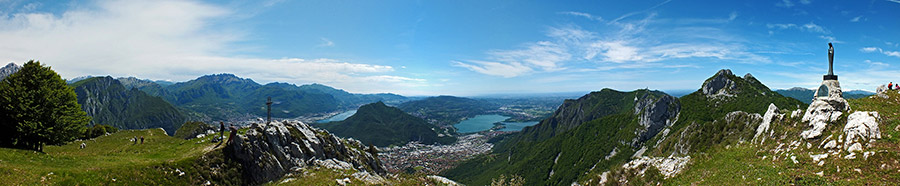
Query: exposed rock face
point(268, 151)
point(719, 83)
point(667, 166)
point(9, 69)
point(834, 89)
point(880, 92)
point(821, 112)
point(655, 114)
point(862, 127)
point(771, 114)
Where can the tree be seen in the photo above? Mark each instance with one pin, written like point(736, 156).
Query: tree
point(38, 108)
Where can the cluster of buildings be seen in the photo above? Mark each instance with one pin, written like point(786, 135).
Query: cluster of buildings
point(431, 159)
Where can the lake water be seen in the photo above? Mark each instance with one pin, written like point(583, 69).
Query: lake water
point(485, 122)
point(339, 117)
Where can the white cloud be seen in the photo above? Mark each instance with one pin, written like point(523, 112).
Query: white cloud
point(785, 3)
point(732, 16)
point(856, 19)
point(495, 68)
point(885, 52)
point(896, 1)
point(830, 39)
point(582, 14)
point(805, 2)
point(326, 43)
point(808, 27)
point(176, 40)
point(633, 45)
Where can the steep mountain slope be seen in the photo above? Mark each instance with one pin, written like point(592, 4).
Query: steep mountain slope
point(446, 110)
point(350, 100)
point(806, 95)
point(108, 102)
point(607, 130)
point(287, 103)
point(9, 69)
point(382, 125)
point(148, 86)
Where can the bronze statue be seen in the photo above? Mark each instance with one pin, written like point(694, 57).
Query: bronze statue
point(830, 75)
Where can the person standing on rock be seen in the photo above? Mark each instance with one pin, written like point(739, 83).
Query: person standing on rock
point(890, 87)
point(221, 130)
point(233, 132)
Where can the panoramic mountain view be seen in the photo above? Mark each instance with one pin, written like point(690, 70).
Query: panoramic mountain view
point(296, 92)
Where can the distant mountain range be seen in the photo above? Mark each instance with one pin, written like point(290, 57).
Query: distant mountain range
point(383, 125)
point(228, 97)
point(109, 102)
point(806, 95)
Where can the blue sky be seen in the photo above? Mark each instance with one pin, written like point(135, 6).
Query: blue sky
point(463, 48)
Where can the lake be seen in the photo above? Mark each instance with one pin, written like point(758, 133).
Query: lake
point(339, 117)
point(485, 122)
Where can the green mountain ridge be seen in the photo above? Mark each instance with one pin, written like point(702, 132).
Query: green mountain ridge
point(382, 125)
point(603, 130)
point(446, 110)
point(109, 102)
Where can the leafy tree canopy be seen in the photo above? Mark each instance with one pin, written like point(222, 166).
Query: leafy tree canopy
point(38, 108)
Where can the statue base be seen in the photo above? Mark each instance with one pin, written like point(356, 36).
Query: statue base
point(829, 77)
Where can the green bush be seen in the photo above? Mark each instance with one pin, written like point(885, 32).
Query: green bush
point(99, 130)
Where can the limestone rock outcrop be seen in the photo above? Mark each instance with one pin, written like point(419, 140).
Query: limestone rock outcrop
point(655, 114)
point(269, 151)
point(719, 83)
point(861, 128)
point(764, 128)
point(821, 112)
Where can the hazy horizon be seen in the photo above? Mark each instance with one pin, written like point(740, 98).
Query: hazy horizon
point(464, 48)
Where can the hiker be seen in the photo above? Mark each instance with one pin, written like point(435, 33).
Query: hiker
point(221, 130)
point(233, 132)
point(897, 86)
point(142, 140)
point(134, 139)
point(890, 87)
point(82, 145)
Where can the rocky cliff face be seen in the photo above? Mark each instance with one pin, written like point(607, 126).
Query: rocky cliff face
point(9, 69)
point(108, 102)
point(655, 114)
point(719, 84)
point(269, 151)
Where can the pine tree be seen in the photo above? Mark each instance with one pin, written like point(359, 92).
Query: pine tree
point(38, 108)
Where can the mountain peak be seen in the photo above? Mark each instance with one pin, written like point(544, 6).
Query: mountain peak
point(719, 83)
point(8, 70)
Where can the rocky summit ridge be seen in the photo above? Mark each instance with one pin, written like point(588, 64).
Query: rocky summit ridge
point(267, 152)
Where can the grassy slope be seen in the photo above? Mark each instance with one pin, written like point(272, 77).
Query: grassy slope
point(107, 158)
point(382, 125)
point(743, 163)
point(154, 163)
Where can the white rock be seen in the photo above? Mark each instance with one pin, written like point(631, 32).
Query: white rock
point(830, 145)
point(821, 173)
point(855, 147)
point(796, 113)
point(818, 157)
point(771, 113)
point(821, 112)
point(443, 180)
point(368, 178)
point(668, 167)
point(794, 159)
point(861, 127)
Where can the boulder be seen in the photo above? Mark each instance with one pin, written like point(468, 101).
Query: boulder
point(269, 151)
point(821, 112)
point(861, 127)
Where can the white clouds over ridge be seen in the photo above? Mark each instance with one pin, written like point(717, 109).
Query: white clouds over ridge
point(176, 40)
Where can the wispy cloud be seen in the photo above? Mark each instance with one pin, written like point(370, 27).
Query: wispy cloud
point(885, 52)
point(808, 27)
point(785, 3)
point(326, 43)
point(896, 1)
point(582, 14)
point(856, 19)
point(176, 40)
point(732, 16)
point(633, 45)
